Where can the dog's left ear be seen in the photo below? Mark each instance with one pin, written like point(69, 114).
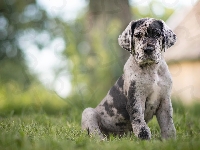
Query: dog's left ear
point(169, 37)
point(125, 40)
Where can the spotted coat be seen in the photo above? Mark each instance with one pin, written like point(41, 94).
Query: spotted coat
point(142, 91)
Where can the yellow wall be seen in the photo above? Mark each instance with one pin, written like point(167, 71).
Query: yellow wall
point(186, 80)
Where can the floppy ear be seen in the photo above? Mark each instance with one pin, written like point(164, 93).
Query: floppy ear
point(125, 40)
point(169, 37)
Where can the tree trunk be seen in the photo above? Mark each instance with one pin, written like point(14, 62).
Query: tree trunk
point(102, 11)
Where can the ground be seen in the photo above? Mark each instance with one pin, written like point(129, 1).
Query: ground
point(35, 131)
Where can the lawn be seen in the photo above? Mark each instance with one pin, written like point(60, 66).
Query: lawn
point(40, 130)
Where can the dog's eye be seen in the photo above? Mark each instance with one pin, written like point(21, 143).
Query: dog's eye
point(156, 33)
point(138, 34)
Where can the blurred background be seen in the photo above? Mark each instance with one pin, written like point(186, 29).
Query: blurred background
point(62, 56)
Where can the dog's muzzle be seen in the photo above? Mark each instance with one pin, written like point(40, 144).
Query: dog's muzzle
point(149, 50)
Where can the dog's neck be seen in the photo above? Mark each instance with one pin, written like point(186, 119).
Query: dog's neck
point(132, 63)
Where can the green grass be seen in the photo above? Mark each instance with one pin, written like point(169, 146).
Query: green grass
point(46, 131)
point(35, 119)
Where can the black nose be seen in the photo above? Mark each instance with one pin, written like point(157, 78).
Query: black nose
point(148, 50)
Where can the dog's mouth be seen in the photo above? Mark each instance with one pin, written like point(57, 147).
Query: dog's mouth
point(147, 61)
point(144, 59)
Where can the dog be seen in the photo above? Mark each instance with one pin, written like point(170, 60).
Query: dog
point(143, 90)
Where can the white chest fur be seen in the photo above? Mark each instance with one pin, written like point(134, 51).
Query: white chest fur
point(156, 90)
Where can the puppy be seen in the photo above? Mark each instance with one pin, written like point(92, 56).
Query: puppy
point(144, 88)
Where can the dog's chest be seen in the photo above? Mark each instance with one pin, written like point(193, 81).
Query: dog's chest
point(154, 94)
point(152, 97)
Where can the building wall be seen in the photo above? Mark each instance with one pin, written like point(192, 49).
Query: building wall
point(186, 80)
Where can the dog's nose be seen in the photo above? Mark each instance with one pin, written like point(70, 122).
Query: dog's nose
point(148, 50)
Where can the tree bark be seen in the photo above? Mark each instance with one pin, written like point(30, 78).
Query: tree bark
point(102, 11)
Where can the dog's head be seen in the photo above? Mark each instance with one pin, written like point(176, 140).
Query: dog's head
point(146, 39)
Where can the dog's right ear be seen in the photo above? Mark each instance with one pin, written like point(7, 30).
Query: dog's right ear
point(169, 37)
point(125, 40)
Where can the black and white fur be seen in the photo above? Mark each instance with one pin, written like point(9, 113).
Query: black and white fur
point(144, 88)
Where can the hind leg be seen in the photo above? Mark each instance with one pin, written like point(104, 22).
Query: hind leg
point(91, 122)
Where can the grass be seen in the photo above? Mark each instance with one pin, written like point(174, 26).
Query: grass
point(40, 130)
point(37, 119)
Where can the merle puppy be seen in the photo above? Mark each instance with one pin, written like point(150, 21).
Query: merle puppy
point(144, 88)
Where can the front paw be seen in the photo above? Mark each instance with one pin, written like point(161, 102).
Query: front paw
point(144, 133)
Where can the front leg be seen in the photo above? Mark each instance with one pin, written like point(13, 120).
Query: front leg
point(135, 109)
point(165, 121)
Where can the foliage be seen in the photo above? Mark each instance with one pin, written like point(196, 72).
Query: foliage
point(95, 61)
point(23, 23)
point(92, 53)
point(155, 9)
point(35, 99)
